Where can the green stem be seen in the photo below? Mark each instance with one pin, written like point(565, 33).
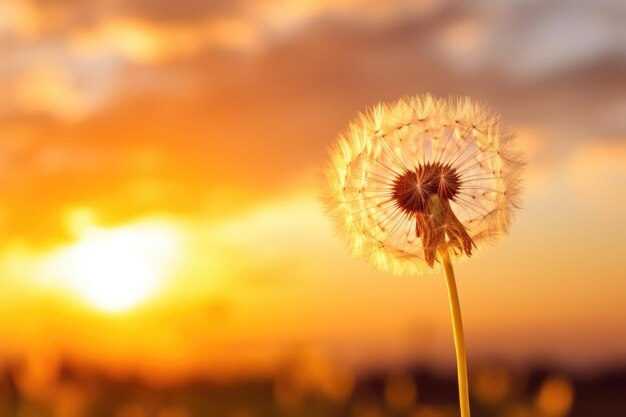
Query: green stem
point(459, 339)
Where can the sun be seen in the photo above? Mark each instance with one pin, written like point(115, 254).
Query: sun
point(115, 269)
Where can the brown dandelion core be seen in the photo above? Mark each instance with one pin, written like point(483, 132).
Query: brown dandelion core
point(424, 193)
point(413, 188)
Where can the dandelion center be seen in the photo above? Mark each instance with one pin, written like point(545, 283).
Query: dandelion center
point(413, 188)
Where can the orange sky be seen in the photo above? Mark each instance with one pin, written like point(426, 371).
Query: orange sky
point(204, 126)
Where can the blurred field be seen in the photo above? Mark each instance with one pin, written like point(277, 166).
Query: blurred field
point(312, 388)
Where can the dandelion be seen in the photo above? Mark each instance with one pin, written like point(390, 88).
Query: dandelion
point(415, 183)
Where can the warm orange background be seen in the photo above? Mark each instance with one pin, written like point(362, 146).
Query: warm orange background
point(182, 141)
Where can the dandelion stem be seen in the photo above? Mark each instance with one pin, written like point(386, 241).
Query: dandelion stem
point(459, 339)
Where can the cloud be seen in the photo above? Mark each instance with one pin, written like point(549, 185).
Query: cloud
point(597, 171)
point(529, 41)
point(93, 49)
point(146, 42)
point(179, 12)
point(18, 18)
point(50, 89)
point(560, 37)
point(45, 78)
point(229, 130)
point(463, 41)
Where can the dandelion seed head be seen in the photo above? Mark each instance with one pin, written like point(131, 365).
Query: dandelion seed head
point(410, 179)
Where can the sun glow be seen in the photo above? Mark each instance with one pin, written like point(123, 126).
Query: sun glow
point(116, 269)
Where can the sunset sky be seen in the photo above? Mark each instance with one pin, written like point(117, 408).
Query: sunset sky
point(160, 167)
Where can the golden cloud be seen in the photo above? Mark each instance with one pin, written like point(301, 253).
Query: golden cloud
point(147, 42)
